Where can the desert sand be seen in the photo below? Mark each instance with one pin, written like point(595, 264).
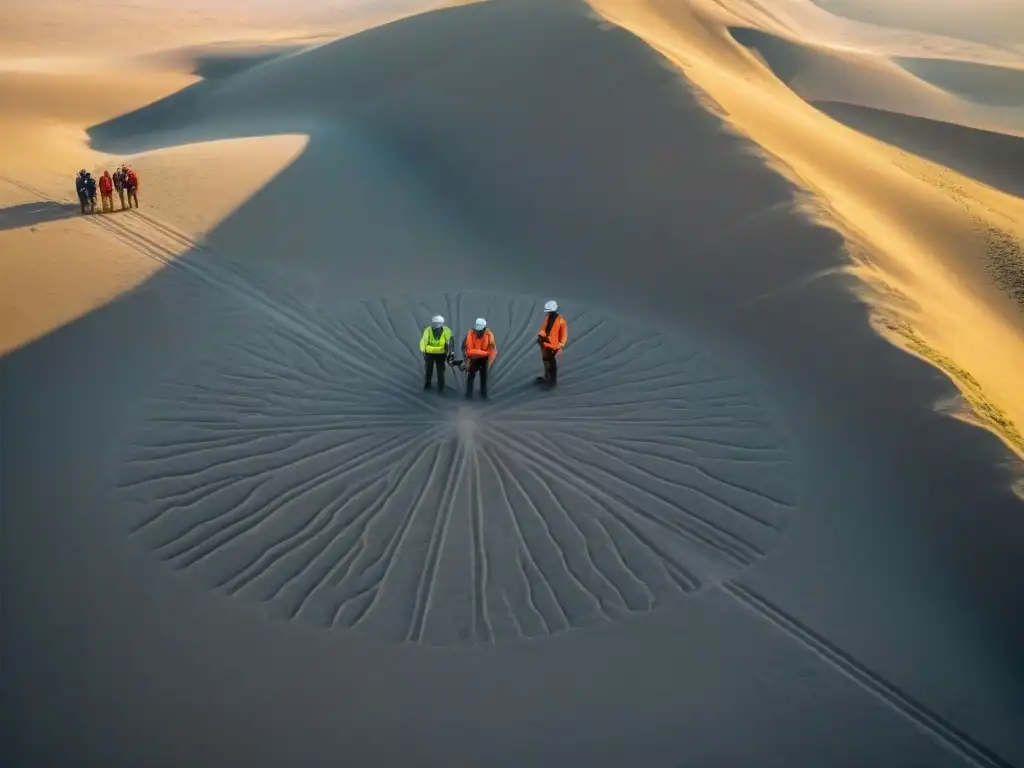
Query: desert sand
point(770, 516)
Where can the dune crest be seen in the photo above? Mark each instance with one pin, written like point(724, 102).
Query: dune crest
point(924, 239)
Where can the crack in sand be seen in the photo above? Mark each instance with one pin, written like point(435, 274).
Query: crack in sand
point(290, 471)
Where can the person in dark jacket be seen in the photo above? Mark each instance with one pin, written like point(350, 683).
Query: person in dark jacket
point(131, 185)
point(85, 186)
point(118, 178)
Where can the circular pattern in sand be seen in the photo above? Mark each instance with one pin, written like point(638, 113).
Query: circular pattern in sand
point(307, 469)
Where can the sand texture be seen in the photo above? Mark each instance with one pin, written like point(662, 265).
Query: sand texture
point(772, 514)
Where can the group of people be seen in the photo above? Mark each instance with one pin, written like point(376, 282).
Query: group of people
point(479, 350)
point(124, 180)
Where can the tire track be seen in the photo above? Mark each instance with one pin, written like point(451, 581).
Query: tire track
point(214, 274)
point(942, 731)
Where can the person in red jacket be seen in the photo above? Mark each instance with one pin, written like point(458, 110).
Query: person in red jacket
point(551, 339)
point(107, 191)
point(131, 185)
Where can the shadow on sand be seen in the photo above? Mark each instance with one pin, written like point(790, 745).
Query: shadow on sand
point(515, 147)
point(32, 214)
point(979, 83)
point(992, 158)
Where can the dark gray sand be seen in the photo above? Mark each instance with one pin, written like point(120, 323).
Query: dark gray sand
point(237, 532)
point(276, 471)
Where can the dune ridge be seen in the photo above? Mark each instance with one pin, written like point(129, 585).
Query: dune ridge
point(810, 21)
point(995, 22)
point(919, 248)
point(819, 72)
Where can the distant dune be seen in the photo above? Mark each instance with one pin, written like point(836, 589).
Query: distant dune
point(916, 87)
point(993, 21)
point(977, 83)
point(993, 158)
point(769, 516)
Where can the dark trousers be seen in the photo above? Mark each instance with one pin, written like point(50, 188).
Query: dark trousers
point(133, 196)
point(550, 360)
point(120, 194)
point(431, 361)
point(474, 366)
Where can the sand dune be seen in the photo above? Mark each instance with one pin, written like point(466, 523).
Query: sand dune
point(50, 100)
point(922, 237)
point(977, 83)
point(49, 29)
point(736, 533)
point(822, 73)
point(200, 185)
point(993, 158)
point(810, 21)
point(993, 21)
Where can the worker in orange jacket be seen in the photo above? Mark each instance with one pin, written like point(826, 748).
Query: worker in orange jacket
point(551, 339)
point(479, 349)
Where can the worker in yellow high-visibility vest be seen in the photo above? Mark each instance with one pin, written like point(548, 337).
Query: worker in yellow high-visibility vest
point(436, 346)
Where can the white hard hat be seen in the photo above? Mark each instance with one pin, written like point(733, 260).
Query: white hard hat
point(551, 306)
point(480, 324)
point(437, 320)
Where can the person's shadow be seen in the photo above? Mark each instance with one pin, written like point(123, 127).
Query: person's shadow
point(31, 214)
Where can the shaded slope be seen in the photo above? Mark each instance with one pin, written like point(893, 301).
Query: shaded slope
point(993, 21)
point(819, 73)
point(455, 118)
point(993, 158)
point(979, 83)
